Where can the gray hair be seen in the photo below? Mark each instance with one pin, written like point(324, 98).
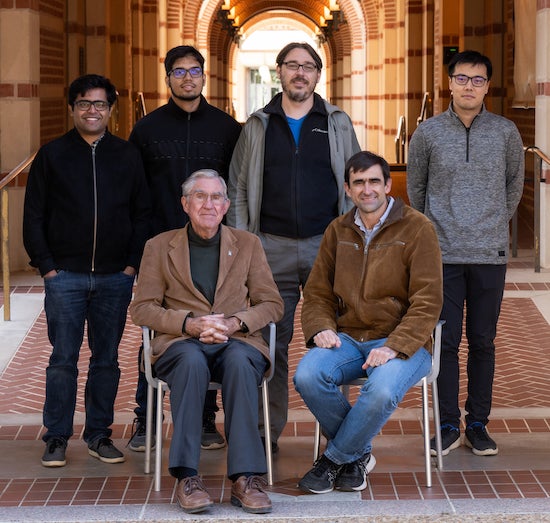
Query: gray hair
point(188, 185)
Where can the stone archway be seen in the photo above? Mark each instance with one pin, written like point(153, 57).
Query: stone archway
point(345, 49)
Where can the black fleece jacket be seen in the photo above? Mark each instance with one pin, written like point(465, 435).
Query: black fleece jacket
point(173, 144)
point(87, 208)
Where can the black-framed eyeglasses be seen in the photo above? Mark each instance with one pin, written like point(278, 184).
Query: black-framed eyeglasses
point(180, 72)
point(295, 66)
point(463, 79)
point(84, 105)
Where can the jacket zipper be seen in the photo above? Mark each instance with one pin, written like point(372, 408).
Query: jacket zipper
point(187, 147)
point(94, 174)
point(296, 188)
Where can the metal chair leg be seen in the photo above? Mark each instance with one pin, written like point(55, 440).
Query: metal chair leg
point(437, 425)
point(158, 446)
point(426, 430)
point(148, 428)
point(267, 425)
point(317, 441)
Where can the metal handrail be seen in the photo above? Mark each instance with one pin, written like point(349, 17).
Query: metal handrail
point(538, 158)
point(424, 109)
point(14, 173)
point(139, 106)
point(401, 140)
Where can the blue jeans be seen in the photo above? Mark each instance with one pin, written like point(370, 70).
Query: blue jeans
point(101, 301)
point(350, 429)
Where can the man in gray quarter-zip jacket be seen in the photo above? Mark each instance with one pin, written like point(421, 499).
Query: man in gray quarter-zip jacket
point(465, 172)
point(86, 220)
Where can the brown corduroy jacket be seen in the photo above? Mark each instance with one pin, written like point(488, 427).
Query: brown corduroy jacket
point(391, 288)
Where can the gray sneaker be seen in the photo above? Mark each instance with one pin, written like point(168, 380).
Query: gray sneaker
point(54, 455)
point(104, 450)
point(137, 439)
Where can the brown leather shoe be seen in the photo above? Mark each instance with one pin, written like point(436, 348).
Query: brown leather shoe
point(192, 495)
point(249, 494)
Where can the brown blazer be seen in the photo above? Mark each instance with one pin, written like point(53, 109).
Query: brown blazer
point(165, 293)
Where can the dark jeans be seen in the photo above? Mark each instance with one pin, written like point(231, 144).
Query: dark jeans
point(210, 404)
point(101, 301)
point(188, 366)
point(480, 287)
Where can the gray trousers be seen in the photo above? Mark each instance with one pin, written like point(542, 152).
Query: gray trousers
point(187, 367)
point(290, 261)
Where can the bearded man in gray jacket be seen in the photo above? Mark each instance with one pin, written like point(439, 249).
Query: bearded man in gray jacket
point(465, 172)
point(286, 184)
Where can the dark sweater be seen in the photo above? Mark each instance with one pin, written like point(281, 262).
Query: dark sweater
point(204, 259)
point(173, 144)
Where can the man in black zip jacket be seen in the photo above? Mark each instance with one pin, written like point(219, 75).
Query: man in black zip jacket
point(86, 220)
point(183, 136)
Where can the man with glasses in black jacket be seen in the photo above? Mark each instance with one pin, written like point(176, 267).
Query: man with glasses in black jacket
point(182, 136)
point(86, 220)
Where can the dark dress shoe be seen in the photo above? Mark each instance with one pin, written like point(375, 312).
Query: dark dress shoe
point(249, 494)
point(192, 495)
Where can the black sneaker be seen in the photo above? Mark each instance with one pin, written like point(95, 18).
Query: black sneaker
point(54, 455)
point(137, 439)
point(321, 478)
point(478, 439)
point(210, 438)
point(450, 440)
point(104, 450)
point(353, 476)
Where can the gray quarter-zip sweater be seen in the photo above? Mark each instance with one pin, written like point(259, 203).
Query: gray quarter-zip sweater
point(468, 181)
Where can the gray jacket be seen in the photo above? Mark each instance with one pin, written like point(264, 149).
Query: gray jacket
point(247, 166)
point(468, 182)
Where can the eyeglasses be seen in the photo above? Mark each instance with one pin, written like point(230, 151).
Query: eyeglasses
point(462, 79)
point(180, 72)
point(217, 198)
point(295, 66)
point(84, 105)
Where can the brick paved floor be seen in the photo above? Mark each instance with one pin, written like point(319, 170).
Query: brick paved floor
point(522, 386)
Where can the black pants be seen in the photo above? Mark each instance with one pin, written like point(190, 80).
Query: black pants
point(480, 288)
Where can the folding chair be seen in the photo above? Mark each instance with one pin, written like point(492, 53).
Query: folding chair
point(154, 383)
point(430, 378)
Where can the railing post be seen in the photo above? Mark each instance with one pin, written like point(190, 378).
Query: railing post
point(5, 255)
point(537, 161)
point(4, 228)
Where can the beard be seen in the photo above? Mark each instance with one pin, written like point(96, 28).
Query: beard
point(297, 96)
point(185, 97)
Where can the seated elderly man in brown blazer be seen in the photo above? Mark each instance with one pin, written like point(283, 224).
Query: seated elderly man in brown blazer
point(207, 291)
